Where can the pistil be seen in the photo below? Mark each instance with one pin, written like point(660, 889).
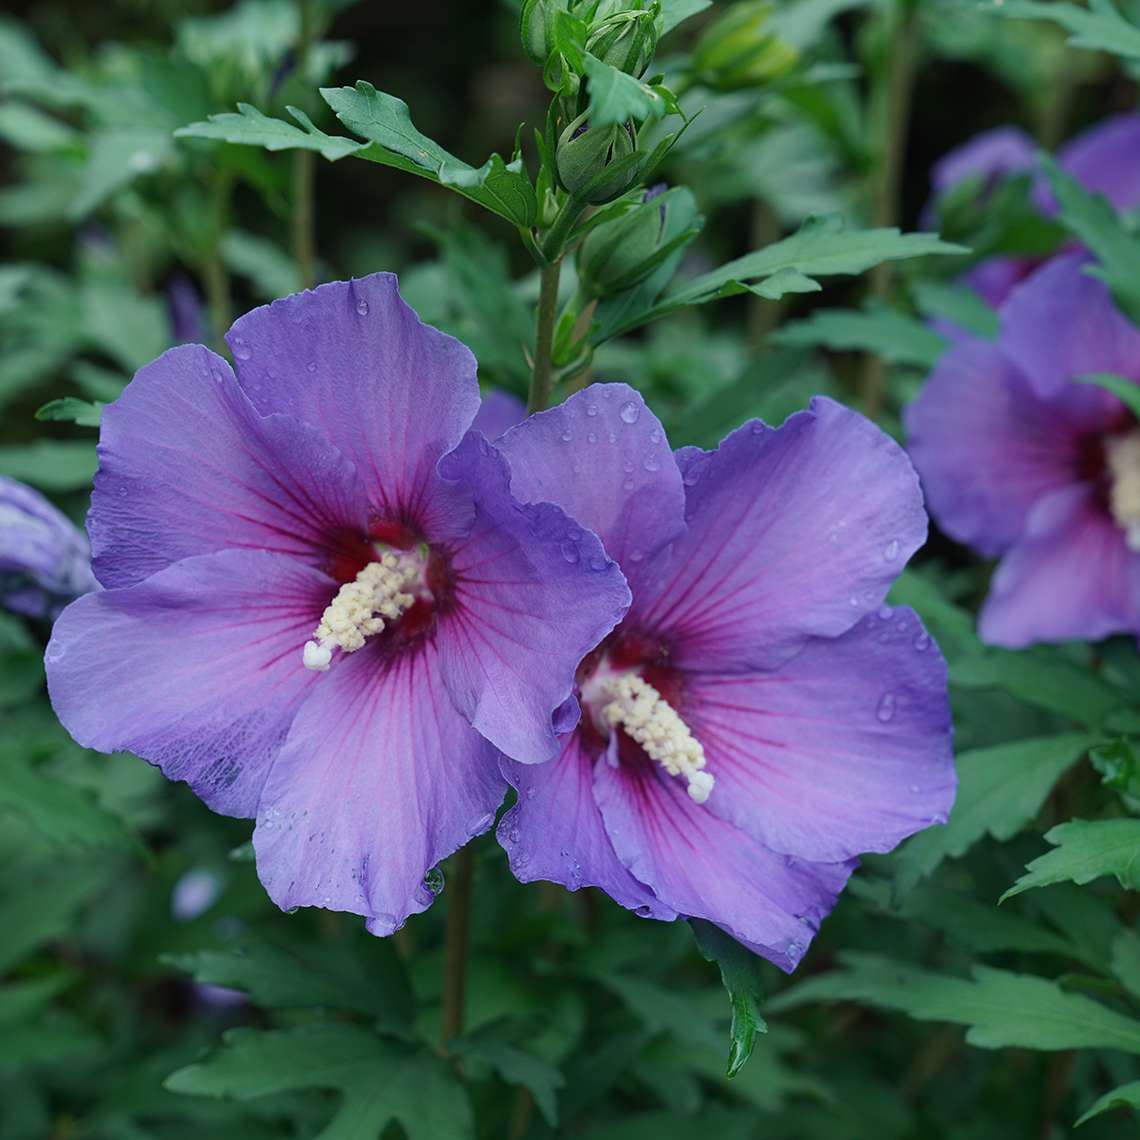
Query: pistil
point(1122, 454)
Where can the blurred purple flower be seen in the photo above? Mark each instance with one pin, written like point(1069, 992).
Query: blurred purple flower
point(194, 893)
point(45, 562)
point(498, 412)
point(184, 309)
point(254, 532)
point(759, 718)
point(1104, 159)
point(1018, 460)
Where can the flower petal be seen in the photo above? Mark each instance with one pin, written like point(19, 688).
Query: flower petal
point(186, 466)
point(987, 446)
point(1085, 333)
point(555, 831)
point(603, 458)
point(845, 749)
point(793, 532)
point(379, 780)
point(706, 868)
point(533, 594)
point(1071, 576)
point(498, 412)
point(197, 669)
point(1106, 160)
point(393, 393)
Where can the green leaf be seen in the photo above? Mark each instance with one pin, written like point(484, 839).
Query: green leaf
point(21, 662)
point(503, 188)
point(52, 465)
point(617, 98)
point(1002, 1009)
point(333, 976)
point(892, 335)
point(118, 156)
point(1126, 960)
point(1119, 766)
point(1126, 391)
point(740, 973)
point(1092, 219)
point(1000, 790)
point(1086, 850)
point(69, 409)
point(957, 304)
point(28, 128)
point(249, 127)
point(1127, 1096)
point(674, 12)
point(1102, 29)
point(271, 270)
point(66, 816)
point(379, 1080)
point(517, 1067)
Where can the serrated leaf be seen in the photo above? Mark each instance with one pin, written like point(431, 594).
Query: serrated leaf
point(503, 188)
point(1000, 790)
point(1086, 850)
point(378, 1080)
point(69, 409)
point(887, 333)
point(1002, 1009)
point(250, 127)
point(333, 976)
point(517, 1067)
point(740, 973)
point(616, 97)
point(1102, 29)
point(780, 284)
point(1127, 1096)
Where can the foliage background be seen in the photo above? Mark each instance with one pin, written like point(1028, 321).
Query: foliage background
point(924, 1009)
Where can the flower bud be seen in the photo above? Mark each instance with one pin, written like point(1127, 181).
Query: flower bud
point(618, 254)
point(586, 155)
point(624, 34)
point(536, 25)
point(739, 49)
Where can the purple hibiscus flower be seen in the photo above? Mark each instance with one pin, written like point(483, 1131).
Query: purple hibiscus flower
point(1104, 159)
point(759, 718)
point(1018, 460)
point(323, 606)
point(44, 558)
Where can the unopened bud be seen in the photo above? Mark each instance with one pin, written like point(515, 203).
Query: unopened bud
point(624, 34)
point(536, 26)
point(740, 49)
point(591, 160)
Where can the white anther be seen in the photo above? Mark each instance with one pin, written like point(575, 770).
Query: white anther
point(380, 591)
point(648, 718)
point(1122, 453)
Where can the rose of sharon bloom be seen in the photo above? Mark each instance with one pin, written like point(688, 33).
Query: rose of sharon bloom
point(1019, 460)
point(323, 607)
point(44, 558)
point(759, 717)
point(1104, 159)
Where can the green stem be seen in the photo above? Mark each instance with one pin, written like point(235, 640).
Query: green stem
point(553, 243)
point(893, 118)
point(455, 945)
point(304, 172)
point(542, 370)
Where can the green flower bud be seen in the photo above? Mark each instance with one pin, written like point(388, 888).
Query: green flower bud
point(618, 254)
point(624, 34)
point(586, 155)
point(536, 25)
point(738, 50)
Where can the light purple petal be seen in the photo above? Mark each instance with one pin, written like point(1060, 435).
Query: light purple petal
point(555, 831)
point(379, 780)
point(1070, 577)
point(793, 532)
point(987, 447)
point(1106, 160)
point(394, 394)
point(533, 593)
point(845, 749)
point(44, 557)
point(186, 467)
point(498, 412)
point(603, 458)
point(1062, 323)
point(197, 669)
point(996, 277)
point(706, 868)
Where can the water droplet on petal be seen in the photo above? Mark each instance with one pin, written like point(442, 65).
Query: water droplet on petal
point(627, 485)
point(241, 349)
point(570, 552)
point(592, 438)
point(892, 550)
point(591, 409)
point(922, 641)
point(629, 412)
point(433, 880)
point(884, 613)
point(651, 463)
point(598, 563)
point(692, 477)
point(311, 366)
point(636, 555)
point(886, 710)
point(362, 307)
point(655, 436)
point(567, 436)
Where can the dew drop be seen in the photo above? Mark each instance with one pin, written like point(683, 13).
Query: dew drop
point(627, 466)
point(514, 835)
point(362, 307)
point(655, 436)
point(311, 366)
point(597, 563)
point(591, 409)
point(884, 613)
point(636, 555)
point(892, 550)
point(922, 641)
point(692, 477)
point(592, 438)
point(567, 436)
point(643, 911)
point(241, 349)
point(886, 710)
point(433, 880)
point(629, 412)
point(915, 790)
point(613, 437)
point(570, 552)
point(651, 463)
point(627, 485)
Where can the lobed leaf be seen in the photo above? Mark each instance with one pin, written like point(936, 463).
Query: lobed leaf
point(1086, 850)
